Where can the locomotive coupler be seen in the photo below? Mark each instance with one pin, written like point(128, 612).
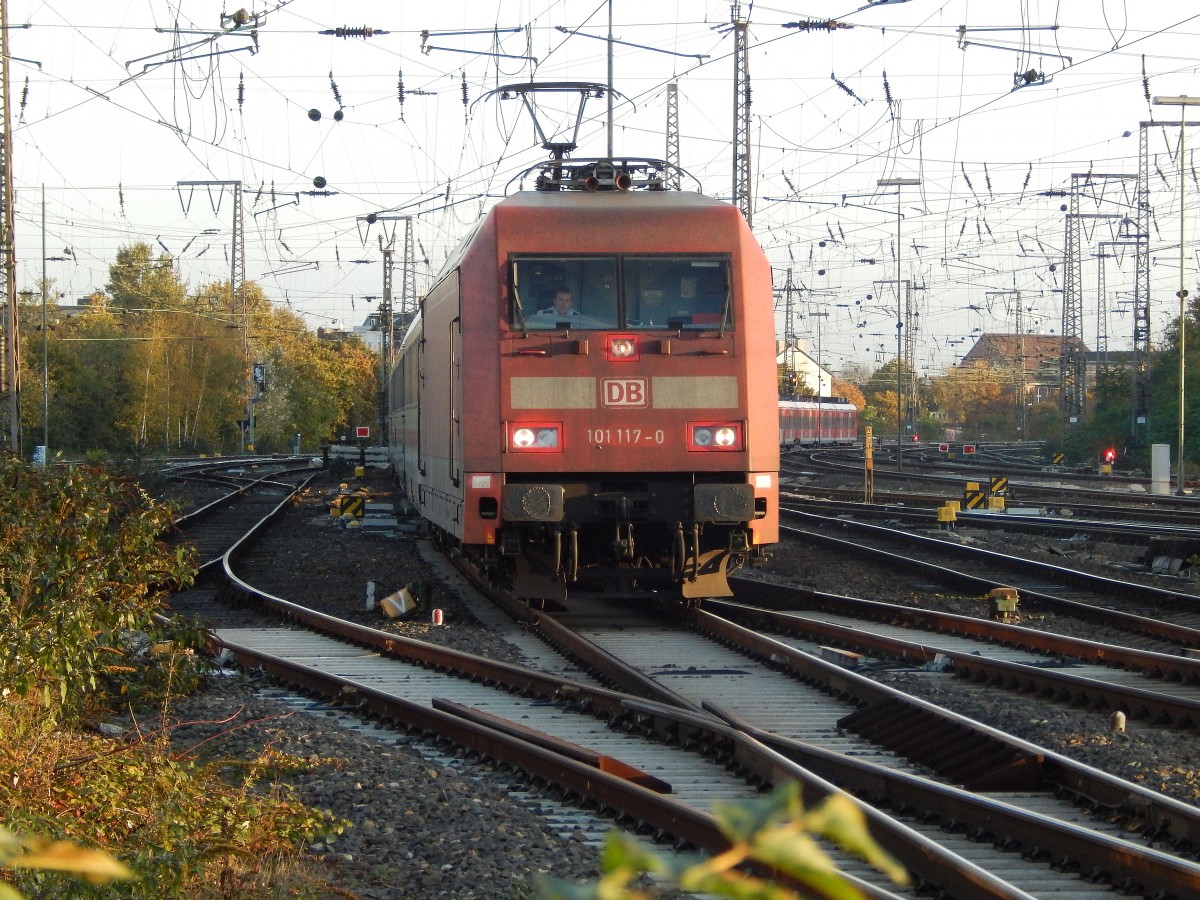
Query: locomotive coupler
point(739, 541)
point(510, 542)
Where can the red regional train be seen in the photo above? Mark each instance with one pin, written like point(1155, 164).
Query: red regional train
point(817, 422)
point(586, 400)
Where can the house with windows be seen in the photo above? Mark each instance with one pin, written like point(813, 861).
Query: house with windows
point(811, 376)
point(1033, 360)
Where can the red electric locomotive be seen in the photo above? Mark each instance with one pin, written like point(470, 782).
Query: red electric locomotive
point(586, 400)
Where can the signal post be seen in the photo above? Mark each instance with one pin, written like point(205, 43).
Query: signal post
point(869, 466)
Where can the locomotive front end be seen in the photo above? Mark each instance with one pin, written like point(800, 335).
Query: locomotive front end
point(638, 422)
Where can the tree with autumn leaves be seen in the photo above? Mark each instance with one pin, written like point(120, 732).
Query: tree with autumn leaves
point(152, 367)
point(975, 399)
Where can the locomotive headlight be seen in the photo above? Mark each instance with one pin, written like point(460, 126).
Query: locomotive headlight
point(714, 436)
point(623, 348)
point(535, 437)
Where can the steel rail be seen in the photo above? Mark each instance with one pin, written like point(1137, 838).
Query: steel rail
point(933, 865)
point(668, 816)
point(1102, 858)
point(626, 796)
point(600, 700)
point(1180, 634)
point(605, 665)
point(959, 748)
point(1152, 523)
point(694, 727)
point(783, 599)
point(1098, 583)
point(1137, 703)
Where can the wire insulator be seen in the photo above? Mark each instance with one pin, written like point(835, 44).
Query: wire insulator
point(845, 87)
point(347, 31)
point(464, 90)
point(967, 179)
point(337, 95)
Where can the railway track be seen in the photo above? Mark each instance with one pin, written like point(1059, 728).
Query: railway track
point(1156, 687)
point(1135, 524)
point(249, 492)
point(674, 713)
point(946, 479)
point(831, 717)
point(559, 731)
point(1170, 614)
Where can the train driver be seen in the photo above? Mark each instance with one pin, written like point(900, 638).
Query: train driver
point(564, 305)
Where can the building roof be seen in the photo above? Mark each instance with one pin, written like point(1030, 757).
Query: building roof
point(1036, 350)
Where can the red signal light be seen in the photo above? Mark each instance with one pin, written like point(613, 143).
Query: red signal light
point(1110, 456)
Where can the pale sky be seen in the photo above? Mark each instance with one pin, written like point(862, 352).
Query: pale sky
point(115, 103)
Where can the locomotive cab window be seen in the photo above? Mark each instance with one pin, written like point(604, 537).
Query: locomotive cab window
point(678, 292)
point(565, 292)
point(632, 292)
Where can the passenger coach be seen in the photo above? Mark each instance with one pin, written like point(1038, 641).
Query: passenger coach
point(623, 440)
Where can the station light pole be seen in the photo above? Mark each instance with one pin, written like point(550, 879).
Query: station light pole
point(1183, 102)
point(898, 183)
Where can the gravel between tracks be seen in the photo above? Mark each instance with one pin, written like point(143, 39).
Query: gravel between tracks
point(422, 826)
point(427, 829)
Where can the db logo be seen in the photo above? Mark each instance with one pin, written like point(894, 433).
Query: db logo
point(624, 391)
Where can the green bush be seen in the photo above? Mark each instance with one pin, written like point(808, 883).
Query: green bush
point(181, 827)
point(774, 833)
point(82, 572)
point(55, 856)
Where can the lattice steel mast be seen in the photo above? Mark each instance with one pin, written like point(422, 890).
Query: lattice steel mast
point(673, 180)
point(913, 405)
point(742, 192)
point(1140, 381)
point(1073, 354)
point(1072, 366)
point(10, 346)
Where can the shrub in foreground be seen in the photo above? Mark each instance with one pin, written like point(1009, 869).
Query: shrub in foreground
point(82, 572)
point(774, 834)
point(184, 827)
